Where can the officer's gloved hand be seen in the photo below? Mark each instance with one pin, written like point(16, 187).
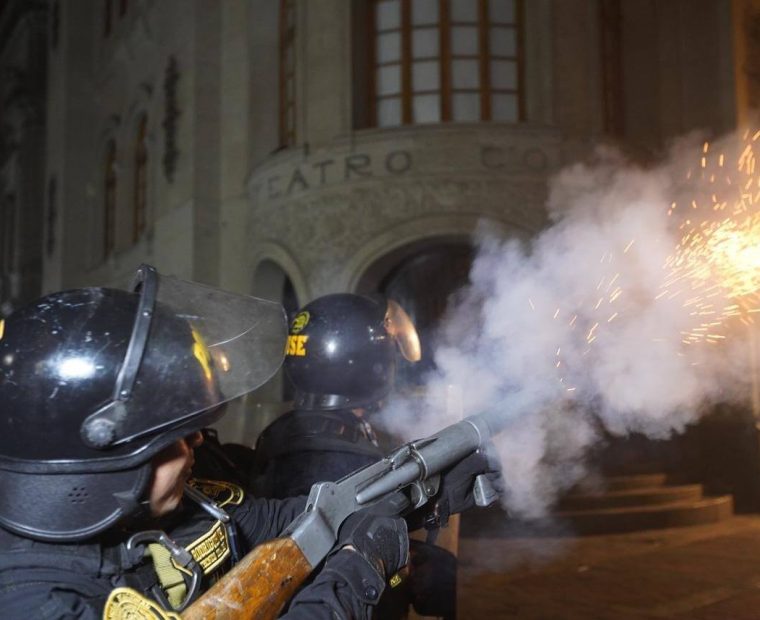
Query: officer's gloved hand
point(457, 490)
point(371, 549)
point(382, 541)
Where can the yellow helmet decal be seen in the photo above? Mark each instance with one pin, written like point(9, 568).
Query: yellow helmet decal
point(201, 353)
point(296, 345)
point(301, 321)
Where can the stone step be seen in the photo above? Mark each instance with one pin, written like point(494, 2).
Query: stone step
point(653, 496)
point(638, 481)
point(632, 518)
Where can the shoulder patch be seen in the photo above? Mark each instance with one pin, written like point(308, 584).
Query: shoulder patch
point(210, 549)
point(129, 604)
point(222, 493)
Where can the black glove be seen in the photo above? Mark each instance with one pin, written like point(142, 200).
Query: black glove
point(456, 493)
point(381, 540)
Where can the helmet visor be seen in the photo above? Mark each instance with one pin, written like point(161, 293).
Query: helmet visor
point(399, 325)
point(193, 348)
point(238, 339)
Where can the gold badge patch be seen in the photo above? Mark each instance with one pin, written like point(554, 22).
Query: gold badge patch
point(220, 492)
point(129, 604)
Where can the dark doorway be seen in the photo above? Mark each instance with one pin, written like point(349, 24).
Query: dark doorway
point(422, 283)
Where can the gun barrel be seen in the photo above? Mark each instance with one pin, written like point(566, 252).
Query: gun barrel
point(393, 480)
point(434, 454)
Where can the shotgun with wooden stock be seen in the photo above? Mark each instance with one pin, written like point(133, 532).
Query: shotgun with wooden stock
point(265, 579)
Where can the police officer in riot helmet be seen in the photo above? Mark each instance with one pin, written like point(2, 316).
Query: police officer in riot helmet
point(103, 393)
point(341, 356)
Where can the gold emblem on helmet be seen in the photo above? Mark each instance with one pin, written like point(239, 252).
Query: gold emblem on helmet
point(201, 353)
point(301, 321)
point(128, 604)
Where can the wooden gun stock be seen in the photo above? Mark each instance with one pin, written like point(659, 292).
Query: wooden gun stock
point(257, 587)
point(264, 580)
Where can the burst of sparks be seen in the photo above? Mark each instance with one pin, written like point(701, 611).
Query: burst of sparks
point(714, 270)
point(716, 265)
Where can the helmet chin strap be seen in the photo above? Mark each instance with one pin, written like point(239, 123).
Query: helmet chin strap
point(305, 400)
point(134, 510)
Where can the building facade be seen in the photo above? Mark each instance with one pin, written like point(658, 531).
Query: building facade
point(291, 149)
point(23, 56)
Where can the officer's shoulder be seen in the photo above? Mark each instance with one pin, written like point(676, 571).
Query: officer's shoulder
point(222, 492)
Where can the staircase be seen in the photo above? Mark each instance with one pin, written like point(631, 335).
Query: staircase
point(640, 502)
point(618, 504)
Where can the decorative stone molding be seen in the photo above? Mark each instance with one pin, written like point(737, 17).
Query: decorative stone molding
point(395, 185)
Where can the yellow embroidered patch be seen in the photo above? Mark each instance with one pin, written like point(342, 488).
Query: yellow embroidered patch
point(211, 549)
point(129, 604)
point(220, 492)
point(395, 580)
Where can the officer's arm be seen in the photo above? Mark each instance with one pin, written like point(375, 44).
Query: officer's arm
point(262, 519)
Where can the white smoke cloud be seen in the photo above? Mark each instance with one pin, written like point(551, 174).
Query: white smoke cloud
point(570, 334)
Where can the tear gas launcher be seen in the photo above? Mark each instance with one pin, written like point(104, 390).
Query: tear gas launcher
point(267, 577)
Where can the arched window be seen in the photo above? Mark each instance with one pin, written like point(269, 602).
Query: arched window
point(436, 61)
point(287, 73)
point(140, 196)
point(109, 200)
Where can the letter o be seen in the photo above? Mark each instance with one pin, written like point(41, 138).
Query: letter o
point(398, 162)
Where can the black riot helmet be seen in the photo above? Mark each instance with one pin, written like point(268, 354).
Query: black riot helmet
point(341, 350)
point(94, 382)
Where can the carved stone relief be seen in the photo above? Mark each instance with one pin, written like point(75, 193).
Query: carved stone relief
point(324, 230)
point(327, 207)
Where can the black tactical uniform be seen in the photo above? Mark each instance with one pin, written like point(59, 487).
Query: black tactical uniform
point(302, 447)
point(62, 581)
point(95, 383)
point(341, 358)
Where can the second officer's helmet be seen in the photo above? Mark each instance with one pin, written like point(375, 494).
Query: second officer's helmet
point(341, 350)
point(94, 382)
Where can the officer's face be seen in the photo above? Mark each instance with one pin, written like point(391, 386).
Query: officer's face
point(171, 469)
